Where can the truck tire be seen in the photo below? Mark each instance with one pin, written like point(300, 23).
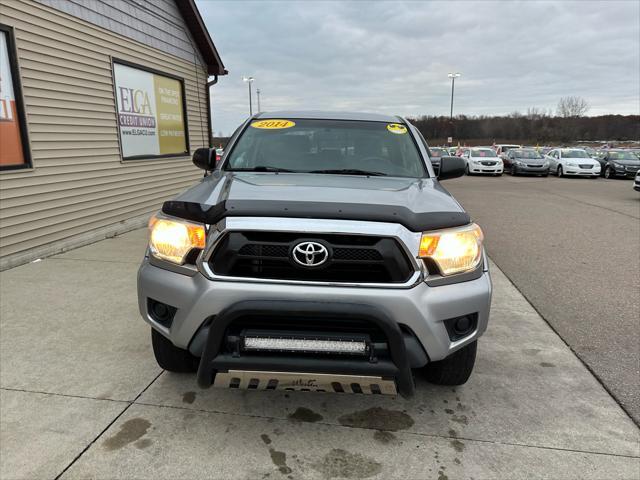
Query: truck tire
point(170, 357)
point(455, 369)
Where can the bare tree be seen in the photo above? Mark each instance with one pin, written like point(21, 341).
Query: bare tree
point(572, 107)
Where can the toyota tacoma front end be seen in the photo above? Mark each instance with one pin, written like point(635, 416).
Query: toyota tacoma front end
point(320, 254)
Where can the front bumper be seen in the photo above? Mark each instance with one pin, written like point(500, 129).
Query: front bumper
point(490, 170)
point(532, 169)
point(627, 173)
point(582, 172)
point(421, 308)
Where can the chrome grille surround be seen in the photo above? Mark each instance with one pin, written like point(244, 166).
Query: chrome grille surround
point(409, 241)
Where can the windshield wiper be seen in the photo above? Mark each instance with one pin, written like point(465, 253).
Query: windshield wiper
point(261, 168)
point(351, 171)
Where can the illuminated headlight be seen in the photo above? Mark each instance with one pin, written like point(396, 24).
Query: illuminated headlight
point(454, 250)
point(305, 345)
point(172, 239)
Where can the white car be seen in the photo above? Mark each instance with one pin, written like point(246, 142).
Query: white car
point(572, 162)
point(483, 160)
point(636, 182)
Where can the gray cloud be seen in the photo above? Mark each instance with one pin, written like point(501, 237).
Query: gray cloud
point(394, 57)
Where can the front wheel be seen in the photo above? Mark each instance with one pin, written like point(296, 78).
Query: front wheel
point(170, 357)
point(559, 171)
point(608, 173)
point(466, 170)
point(514, 171)
point(455, 369)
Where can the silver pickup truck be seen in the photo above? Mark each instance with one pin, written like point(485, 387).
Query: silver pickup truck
point(320, 253)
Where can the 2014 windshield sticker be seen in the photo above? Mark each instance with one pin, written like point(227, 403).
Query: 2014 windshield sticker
point(273, 124)
point(397, 128)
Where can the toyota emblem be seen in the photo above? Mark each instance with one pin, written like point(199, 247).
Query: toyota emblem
point(310, 254)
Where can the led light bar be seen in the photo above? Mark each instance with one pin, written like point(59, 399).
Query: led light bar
point(305, 345)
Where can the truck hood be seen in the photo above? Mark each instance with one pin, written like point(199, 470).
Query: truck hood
point(418, 204)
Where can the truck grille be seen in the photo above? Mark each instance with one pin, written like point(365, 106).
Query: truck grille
point(352, 258)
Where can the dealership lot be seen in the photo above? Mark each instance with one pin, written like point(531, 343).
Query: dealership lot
point(82, 396)
point(572, 247)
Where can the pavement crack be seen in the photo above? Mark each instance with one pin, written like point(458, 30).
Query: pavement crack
point(115, 419)
point(93, 260)
point(84, 397)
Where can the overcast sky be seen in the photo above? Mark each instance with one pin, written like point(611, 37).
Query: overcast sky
point(394, 57)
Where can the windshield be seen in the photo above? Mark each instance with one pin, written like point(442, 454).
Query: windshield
point(574, 154)
point(622, 156)
point(438, 152)
point(486, 152)
point(327, 146)
point(526, 154)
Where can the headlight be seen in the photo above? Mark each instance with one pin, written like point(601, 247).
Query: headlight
point(453, 250)
point(172, 239)
point(545, 164)
point(572, 164)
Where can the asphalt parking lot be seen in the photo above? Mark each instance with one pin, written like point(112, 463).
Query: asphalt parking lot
point(572, 247)
point(82, 397)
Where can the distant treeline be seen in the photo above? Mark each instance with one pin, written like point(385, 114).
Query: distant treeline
point(529, 128)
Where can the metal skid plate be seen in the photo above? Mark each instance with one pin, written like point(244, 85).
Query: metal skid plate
point(315, 382)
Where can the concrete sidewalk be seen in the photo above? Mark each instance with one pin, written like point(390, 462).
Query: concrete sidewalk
point(82, 397)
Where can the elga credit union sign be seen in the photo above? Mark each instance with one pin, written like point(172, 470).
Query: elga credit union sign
point(12, 152)
point(150, 113)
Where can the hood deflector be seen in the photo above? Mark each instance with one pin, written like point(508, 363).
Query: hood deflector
point(416, 222)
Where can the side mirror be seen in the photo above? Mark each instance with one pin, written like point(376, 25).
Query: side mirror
point(205, 158)
point(451, 167)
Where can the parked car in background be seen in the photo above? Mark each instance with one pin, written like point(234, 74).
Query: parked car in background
point(636, 182)
point(544, 150)
point(436, 153)
point(591, 152)
point(572, 161)
point(503, 148)
point(620, 163)
point(482, 160)
point(526, 161)
point(600, 154)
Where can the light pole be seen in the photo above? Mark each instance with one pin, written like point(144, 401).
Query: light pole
point(453, 77)
point(258, 94)
point(249, 80)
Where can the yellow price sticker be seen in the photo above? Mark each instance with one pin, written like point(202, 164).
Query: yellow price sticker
point(397, 128)
point(273, 124)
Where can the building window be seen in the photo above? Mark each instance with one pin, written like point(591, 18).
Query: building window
point(152, 117)
point(14, 143)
